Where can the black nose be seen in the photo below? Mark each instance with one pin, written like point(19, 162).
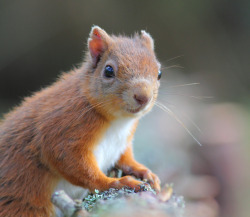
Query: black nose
point(141, 99)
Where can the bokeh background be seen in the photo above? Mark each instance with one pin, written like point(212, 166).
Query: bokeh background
point(205, 42)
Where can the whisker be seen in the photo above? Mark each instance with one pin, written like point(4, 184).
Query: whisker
point(169, 111)
point(173, 66)
point(187, 117)
point(173, 58)
point(193, 97)
point(183, 85)
point(90, 107)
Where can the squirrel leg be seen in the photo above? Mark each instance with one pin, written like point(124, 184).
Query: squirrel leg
point(131, 167)
point(84, 172)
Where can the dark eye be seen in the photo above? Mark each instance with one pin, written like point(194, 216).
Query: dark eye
point(109, 72)
point(159, 75)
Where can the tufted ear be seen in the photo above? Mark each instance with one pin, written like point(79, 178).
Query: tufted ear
point(97, 43)
point(147, 39)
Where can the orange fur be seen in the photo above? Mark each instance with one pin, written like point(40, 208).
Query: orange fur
point(53, 133)
point(131, 167)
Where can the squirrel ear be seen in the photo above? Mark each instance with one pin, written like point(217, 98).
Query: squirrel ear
point(97, 43)
point(147, 39)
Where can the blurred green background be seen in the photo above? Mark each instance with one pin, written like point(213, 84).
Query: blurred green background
point(205, 41)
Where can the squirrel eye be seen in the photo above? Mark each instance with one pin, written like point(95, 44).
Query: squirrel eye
point(159, 75)
point(109, 72)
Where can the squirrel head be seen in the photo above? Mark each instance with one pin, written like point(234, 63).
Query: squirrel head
point(122, 76)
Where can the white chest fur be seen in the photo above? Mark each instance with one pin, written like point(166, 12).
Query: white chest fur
point(107, 153)
point(113, 144)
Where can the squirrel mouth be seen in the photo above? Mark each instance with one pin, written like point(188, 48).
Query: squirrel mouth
point(134, 111)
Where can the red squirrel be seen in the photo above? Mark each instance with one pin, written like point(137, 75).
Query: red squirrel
point(68, 135)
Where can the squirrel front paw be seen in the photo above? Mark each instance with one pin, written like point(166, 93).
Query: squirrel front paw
point(151, 178)
point(127, 181)
point(146, 175)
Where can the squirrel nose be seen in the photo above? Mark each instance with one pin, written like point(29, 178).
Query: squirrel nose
point(141, 99)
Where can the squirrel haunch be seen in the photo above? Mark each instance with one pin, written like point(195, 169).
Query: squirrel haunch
point(79, 127)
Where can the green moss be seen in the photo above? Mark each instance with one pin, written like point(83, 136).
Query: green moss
point(91, 200)
point(116, 202)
